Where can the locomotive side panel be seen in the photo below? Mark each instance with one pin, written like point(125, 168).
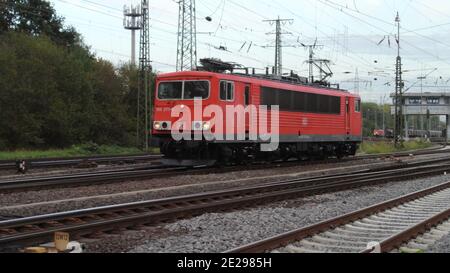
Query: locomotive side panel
point(323, 122)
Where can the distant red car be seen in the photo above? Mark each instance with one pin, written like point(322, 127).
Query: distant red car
point(389, 133)
point(378, 133)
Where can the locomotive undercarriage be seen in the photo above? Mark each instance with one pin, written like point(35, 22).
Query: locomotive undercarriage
point(190, 152)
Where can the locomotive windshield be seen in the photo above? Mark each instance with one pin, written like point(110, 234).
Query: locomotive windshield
point(186, 90)
point(170, 90)
point(197, 89)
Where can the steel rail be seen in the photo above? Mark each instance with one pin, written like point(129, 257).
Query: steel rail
point(149, 172)
point(398, 239)
point(89, 178)
point(64, 162)
point(429, 151)
point(80, 222)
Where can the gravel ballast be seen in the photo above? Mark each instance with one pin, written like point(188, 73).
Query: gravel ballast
point(223, 231)
point(23, 204)
point(214, 232)
point(442, 246)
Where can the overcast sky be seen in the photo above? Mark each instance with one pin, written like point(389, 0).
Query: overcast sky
point(349, 30)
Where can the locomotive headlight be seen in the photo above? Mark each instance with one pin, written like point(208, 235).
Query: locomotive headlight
point(206, 126)
point(157, 125)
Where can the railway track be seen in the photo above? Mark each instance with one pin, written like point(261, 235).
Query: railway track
point(146, 172)
point(104, 177)
point(39, 229)
point(437, 140)
point(430, 151)
point(66, 162)
point(384, 227)
point(149, 172)
point(89, 178)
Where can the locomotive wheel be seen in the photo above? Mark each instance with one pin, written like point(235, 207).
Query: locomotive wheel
point(203, 153)
point(225, 155)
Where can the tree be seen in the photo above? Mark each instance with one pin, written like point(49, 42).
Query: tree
point(36, 17)
point(113, 123)
point(129, 75)
point(54, 97)
point(53, 91)
point(21, 73)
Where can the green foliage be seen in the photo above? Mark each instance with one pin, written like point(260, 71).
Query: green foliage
point(382, 147)
point(411, 250)
point(373, 118)
point(377, 148)
point(54, 97)
point(416, 145)
point(36, 17)
point(53, 92)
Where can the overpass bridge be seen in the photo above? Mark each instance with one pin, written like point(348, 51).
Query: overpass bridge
point(426, 105)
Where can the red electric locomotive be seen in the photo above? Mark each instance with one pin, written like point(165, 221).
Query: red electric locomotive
point(315, 121)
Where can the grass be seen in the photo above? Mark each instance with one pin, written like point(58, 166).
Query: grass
point(91, 149)
point(411, 251)
point(388, 147)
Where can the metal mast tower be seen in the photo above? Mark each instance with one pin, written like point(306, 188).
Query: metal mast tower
point(322, 65)
point(398, 132)
point(278, 43)
point(357, 81)
point(132, 21)
point(187, 36)
point(144, 98)
point(311, 63)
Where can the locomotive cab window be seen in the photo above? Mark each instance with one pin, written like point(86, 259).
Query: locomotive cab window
point(196, 89)
point(247, 96)
point(227, 91)
point(170, 90)
point(358, 106)
point(183, 90)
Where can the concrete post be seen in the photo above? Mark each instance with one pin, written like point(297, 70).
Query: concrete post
point(133, 47)
point(448, 127)
point(406, 128)
point(429, 123)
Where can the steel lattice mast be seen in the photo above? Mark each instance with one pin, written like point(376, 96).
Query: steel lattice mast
point(278, 50)
point(145, 69)
point(187, 36)
point(278, 66)
point(398, 130)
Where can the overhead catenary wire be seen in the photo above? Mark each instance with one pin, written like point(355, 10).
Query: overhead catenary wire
point(331, 4)
point(118, 17)
point(108, 14)
point(357, 58)
point(234, 34)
